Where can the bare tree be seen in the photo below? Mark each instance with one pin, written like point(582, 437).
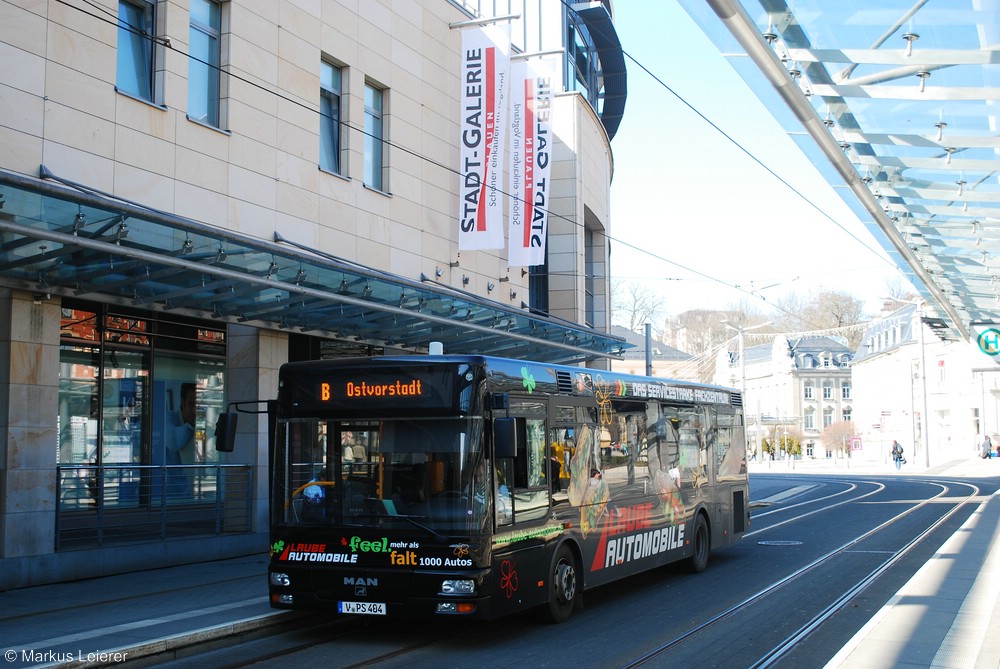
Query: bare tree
point(895, 290)
point(632, 305)
point(837, 436)
point(702, 330)
point(822, 310)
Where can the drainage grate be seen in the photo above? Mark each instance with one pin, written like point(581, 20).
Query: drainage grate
point(779, 543)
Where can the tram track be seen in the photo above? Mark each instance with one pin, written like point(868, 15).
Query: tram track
point(780, 650)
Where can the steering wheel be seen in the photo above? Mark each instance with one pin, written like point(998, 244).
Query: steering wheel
point(298, 491)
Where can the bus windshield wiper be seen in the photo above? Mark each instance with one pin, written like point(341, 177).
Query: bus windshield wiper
point(430, 530)
point(412, 519)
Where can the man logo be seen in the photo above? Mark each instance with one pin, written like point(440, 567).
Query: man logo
point(361, 581)
point(360, 591)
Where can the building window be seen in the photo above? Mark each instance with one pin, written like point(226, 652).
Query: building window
point(582, 62)
point(827, 417)
point(330, 88)
point(807, 390)
point(138, 397)
point(808, 421)
point(845, 390)
point(828, 390)
point(589, 313)
point(845, 415)
point(205, 57)
point(136, 31)
point(374, 139)
point(538, 285)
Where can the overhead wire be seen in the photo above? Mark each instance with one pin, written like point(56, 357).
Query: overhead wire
point(112, 18)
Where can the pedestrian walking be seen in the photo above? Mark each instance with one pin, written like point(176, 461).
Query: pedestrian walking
point(897, 454)
point(987, 448)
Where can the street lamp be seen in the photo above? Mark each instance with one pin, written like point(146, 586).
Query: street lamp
point(918, 305)
point(743, 362)
point(743, 369)
point(924, 437)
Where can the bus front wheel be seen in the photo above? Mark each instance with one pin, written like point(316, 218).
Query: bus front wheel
point(564, 592)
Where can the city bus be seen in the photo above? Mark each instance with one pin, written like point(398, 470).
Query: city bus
point(478, 486)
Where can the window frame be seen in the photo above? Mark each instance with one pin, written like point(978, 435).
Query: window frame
point(209, 63)
point(331, 143)
point(140, 43)
point(375, 131)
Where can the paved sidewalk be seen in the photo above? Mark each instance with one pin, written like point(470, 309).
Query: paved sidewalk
point(115, 620)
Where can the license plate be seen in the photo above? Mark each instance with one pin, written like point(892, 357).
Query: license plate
point(365, 608)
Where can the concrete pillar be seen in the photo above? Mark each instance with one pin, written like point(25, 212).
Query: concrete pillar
point(253, 359)
point(29, 394)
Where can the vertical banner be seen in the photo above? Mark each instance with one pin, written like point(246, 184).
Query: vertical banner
point(530, 162)
point(485, 95)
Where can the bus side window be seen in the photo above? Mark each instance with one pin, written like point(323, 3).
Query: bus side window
point(531, 488)
point(504, 472)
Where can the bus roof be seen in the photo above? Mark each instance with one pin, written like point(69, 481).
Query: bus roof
point(511, 375)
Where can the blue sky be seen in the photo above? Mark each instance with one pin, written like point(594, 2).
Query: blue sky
point(687, 202)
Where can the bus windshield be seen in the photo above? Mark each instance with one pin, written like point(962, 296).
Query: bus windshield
point(424, 473)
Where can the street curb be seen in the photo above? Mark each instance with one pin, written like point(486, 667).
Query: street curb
point(233, 632)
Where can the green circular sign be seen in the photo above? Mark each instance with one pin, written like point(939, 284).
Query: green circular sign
point(989, 341)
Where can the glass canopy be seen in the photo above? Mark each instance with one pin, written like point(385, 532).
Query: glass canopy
point(59, 237)
point(899, 101)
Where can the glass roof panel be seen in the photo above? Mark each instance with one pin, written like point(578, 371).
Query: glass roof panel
point(902, 96)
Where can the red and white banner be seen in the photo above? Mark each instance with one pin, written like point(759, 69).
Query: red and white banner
point(530, 163)
point(485, 96)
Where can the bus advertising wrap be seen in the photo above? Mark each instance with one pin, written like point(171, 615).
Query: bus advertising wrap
point(485, 96)
point(530, 158)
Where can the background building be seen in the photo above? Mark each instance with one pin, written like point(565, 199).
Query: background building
point(193, 193)
point(794, 386)
point(936, 397)
point(666, 361)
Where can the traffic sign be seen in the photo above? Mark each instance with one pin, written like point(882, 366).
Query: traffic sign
point(985, 338)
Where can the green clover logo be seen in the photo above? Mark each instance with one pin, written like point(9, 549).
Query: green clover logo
point(527, 380)
point(277, 547)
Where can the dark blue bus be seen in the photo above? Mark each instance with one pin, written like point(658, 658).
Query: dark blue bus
point(479, 486)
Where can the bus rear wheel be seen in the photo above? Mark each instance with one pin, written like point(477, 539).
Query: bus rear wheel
point(564, 592)
point(702, 543)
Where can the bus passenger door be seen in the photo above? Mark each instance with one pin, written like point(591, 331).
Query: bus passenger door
point(522, 483)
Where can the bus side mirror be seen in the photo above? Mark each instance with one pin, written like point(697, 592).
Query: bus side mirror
point(504, 438)
point(225, 432)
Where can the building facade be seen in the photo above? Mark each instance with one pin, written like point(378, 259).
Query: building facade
point(936, 398)
point(193, 192)
point(794, 385)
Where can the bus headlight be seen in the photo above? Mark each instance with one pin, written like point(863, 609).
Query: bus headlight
point(280, 579)
point(455, 586)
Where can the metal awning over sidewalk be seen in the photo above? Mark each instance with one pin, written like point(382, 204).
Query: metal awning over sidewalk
point(899, 103)
point(63, 238)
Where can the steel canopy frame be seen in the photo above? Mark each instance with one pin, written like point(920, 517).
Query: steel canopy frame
point(66, 239)
point(863, 80)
